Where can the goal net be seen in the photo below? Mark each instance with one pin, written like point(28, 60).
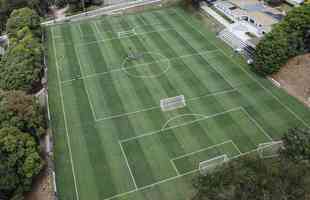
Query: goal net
point(172, 103)
point(127, 33)
point(209, 165)
point(269, 149)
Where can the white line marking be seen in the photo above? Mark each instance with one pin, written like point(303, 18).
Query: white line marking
point(120, 68)
point(127, 163)
point(183, 124)
point(239, 151)
point(128, 113)
point(201, 150)
point(175, 167)
point(66, 123)
point(97, 29)
point(179, 116)
point(152, 185)
point(117, 38)
point(80, 30)
point(157, 107)
point(257, 124)
point(250, 76)
point(85, 85)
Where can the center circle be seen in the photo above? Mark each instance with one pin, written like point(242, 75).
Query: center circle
point(146, 65)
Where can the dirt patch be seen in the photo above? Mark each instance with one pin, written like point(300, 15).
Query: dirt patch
point(294, 77)
point(42, 188)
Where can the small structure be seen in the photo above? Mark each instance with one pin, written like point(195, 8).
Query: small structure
point(295, 2)
point(4, 41)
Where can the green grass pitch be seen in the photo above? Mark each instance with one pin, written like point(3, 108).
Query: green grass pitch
point(113, 141)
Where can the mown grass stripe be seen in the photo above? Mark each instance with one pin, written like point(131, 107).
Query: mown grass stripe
point(168, 87)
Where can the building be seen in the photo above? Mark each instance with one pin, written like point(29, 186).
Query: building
point(252, 12)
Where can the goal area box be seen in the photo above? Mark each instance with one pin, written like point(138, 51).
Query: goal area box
point(172, 103)
point(208, 166)
point(270, 149)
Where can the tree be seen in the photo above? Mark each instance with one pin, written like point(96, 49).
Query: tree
point(297, 145)
point(20, 162)
point(274, 2)
point(253, 178)
point(21, 67)
point(22, 111)
point(289, 38)
point(21, 18)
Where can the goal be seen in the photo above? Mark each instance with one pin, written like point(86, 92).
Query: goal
point(127, 33)
point(172, 103)
point(209, 165)
point(269, 149)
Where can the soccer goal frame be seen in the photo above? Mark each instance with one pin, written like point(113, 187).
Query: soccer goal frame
point(270, 149)
point(172, 103)
point(128, 33)
point(209, 165)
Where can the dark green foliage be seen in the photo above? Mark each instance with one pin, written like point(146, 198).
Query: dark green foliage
point(285, 177)
point(255, 179)
point(287, 39)
point(297, 143)
point(7, 6)
point(274, 2)
point(22, 111)
point(21, 67)
point(19, 162)
point(77, 5)
point(24, 17)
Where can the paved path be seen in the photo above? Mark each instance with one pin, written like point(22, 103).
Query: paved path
point(218, 17)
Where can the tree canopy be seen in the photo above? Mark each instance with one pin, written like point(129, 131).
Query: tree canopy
point(21, 66)
point(21, 18)
point(254, 178)
point(297, 143)
point(289, 38)
point(20, 110)
point(19, 162)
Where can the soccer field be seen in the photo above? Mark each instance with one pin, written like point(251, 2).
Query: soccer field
point(107, 77)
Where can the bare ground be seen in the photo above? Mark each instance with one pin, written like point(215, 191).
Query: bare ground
point(42, 188)
point(294, 77)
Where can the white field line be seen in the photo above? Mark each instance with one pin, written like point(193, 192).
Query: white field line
point(175, 167)
point(220, 74)
point(201, 150)
point(121, 68)
point(65, 122)
point(80, 30)
point(239, 151)
point(183, 124)
point(172, 178)
point(97, 29)
point(128, 113)
point(152, 185)
point(127, 163)
point(157, 107)
point(117, 38)
point(257, 124)
point(250, 76)
point(85, 85)
point(179, 116)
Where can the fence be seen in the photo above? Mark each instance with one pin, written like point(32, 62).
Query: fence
point(108, 10)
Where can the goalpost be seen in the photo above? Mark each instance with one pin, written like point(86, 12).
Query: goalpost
point(209, 165)
point(269, 149)
point(172, 103)
point(127, 33)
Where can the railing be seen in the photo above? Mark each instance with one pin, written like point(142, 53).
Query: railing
point(101, 11)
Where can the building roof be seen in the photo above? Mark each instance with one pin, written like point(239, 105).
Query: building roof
point(263, 18)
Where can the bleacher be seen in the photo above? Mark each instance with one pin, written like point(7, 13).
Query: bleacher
point(236, 43)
